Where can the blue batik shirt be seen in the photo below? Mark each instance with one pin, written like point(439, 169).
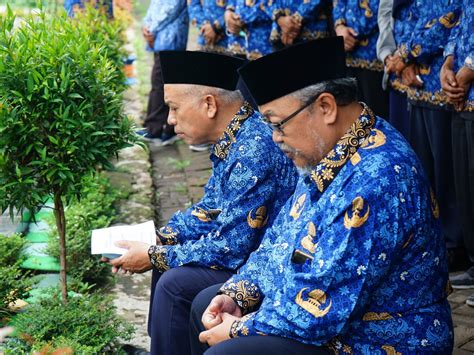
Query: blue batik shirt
point(168, 21)
point(432, 22)
point(209, 12)
point(461, 45)
point(311, 12)
point(251, 180)
point(254, 40)
point(355, 259)
point(361, 15)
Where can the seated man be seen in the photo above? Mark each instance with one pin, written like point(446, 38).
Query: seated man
point(355, 261)
point(250, 182)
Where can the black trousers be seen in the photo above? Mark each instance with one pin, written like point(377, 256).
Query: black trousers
point(431, 139)
point(157, 111)
point(462, 125)
point(369, 84)
point(398, 116)
point(253, 345)
point(170, 306)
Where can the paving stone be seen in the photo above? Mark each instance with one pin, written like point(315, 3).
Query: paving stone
point(463, 335)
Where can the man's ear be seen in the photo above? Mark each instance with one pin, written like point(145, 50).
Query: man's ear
point(211, 106)
point(327, 106)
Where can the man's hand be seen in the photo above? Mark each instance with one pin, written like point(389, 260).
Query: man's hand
point(135, 260)
point(410, 76)
point(219, 305)
point(149, 38)
point(290, 29)
point(449, 83)
point(233, 22)
point(208, 33)
point(219, 333)
point(395, 64)
point(349, 34)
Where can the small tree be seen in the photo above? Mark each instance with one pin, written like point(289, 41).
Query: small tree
point(60, 117)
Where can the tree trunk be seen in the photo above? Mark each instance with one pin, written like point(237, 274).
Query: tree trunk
point(61, 225)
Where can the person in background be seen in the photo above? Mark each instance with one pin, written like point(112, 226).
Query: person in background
point(392, 18)
point(165, 27)
point(356, 21)
point(248, 27)
point(419, 57)
point(298, 21)
point(457, 79)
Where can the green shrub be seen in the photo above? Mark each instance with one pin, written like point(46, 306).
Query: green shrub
point(94, 210)
point(13, 281)
point(88, 324)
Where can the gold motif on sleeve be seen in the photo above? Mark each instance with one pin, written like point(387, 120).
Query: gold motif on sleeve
point(297, 208)
point(424, 69)
point(328, 168)
point(260, 220)
point(448, 20)
point(375, 316)
point(407, 243)
point(201, 214)
point(249, 3)
point(308, 241)
point(434, 204)
point(167, 236)
point(356, 220)
point(220, 3)
point(316, 299)
point(158, 257)
point(390, 350)
point(364, 4)
point(364, 42)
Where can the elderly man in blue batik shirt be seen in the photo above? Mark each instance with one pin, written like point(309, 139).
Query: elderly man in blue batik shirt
point(355, 261)
point(250, 182)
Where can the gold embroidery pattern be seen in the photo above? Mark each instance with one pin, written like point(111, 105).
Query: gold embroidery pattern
point(213, 49)
point(220, 3)
point(375, 64)
point(236, 49)
point(260, 220)
point(316, 299)
point(297, 207)
point(434, 204)
point(338, 347)
point(356, 220)
point(238, 327)
point(157, 254)
point(431, 23)
point(437, 98)
point(448, 20)
point(253, 55)
point(308, 242)
point(307, 35)
point(346, 147)
point(375, 316)
point(364, 4)
point(416, 51)
point(425, 69)
point(244, 293)
point(222, 147)
point(390, 350)
point(407, 243)
point(167, 235)
point(201, 214)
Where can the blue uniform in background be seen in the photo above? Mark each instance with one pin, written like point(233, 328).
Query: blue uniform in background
point(254, 40)
point(312, 13)
point(355, 259)
point(210, 12)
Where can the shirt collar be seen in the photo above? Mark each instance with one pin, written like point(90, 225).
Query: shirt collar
point(328, 168)
point(222, 147)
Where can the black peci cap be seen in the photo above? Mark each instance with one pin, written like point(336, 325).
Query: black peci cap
point(200, 68)
point(283, 72)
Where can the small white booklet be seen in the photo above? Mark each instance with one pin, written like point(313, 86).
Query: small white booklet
point(103, 240)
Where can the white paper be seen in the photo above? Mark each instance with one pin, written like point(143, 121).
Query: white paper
point(103, 240)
